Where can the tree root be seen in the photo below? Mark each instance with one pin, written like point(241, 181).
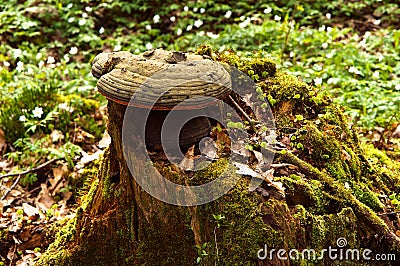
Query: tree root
point(363, 212)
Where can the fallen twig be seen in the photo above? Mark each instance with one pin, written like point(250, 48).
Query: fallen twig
point(43, 165)
point(33, 169)
point(237, 106)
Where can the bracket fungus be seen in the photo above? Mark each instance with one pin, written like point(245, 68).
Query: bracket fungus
point(162, 81)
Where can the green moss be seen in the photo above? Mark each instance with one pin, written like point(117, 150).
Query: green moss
point(205, 50)
point(366, 196)
point(80, 104)
point(3, 234)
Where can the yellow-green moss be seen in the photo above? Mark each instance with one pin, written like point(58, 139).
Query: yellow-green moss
point(85, 105)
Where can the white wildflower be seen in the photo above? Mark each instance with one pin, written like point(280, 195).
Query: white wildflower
point(88, 9)
point(17, 53)
point(66, 58)
point(22, 118)
point(41, 64)
point(195, 9)
point(186, 9)
point(331, 54)
point(332, 81)
point(156, 18)
point(63, 106)
point(38, 56)
point(66, 107)
point(101, 30)
point(317, 67)
point(201, 33)
point(172, 19)
point(267, 10)
point(277, 18)
point(245, 23)
point(20, 66)
point(363, 43)
point(37, 112)
point(397, 87)
point(324, 45)
point(71, 19)
point(73, 50)
point(198, 23)
point(6, 64)
point(322, 28)
point(377, 22)
point(212, 35)
point(70, 5)
point(50, 60)
point(149, 46)
point(189, 27)
point(318, 81)
point(85, 15)
point(117, 47)
point(202, 10)
point(328, 15)
point(375, 75)
point(291, 54)
point(148, 27)
point(346, 185)
point(354, 70)
point(82, 22)
point(329, 29)
point(381, 57)
point(179, 32)
point(29, 71)
point(228, 14)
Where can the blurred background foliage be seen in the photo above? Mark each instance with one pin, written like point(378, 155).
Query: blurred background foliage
point(349, 48)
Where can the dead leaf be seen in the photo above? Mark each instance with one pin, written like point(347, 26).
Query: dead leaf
point(59, 173)
point(222, 138)
point(209, 149)
point(188, 161)
point(87, 158)
point(345, 156)
point(105, 141)
point(83, 136)
point(396, 133)
point(268, 176)
point(240, 153)
point(56, 135)
point(44, 201)
point(244, 169)
point(30, 210)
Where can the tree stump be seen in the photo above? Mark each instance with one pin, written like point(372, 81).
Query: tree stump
point(331, 193)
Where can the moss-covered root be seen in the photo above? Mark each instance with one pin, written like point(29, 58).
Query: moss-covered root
point(363, 212)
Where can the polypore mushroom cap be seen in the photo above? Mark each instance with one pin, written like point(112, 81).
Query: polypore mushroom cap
point(160, 79)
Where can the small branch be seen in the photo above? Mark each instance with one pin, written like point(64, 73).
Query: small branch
point(388, 213)
point(216, 245)
point(11, 188)
point(24, 173)
point(237, 106)
point(33, 169)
